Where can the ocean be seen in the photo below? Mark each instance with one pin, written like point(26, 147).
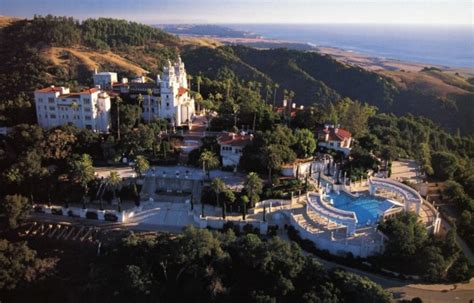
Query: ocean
point(446, 45)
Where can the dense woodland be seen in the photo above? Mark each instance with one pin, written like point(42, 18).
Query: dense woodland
point(243, 86)
point(198, 266)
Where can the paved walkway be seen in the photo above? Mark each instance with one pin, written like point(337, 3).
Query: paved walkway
point(405, 170)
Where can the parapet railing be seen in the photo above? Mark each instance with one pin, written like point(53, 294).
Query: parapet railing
point(335, 214)
point(409, 193)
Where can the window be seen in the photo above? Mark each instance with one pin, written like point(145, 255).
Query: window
point(52, 116)
point(52, 108)
point(87, 109)
point(40, 100)
point(87, 100)
point(51, 100)
point(167, 104)
point(88, 126)
point(87, 117)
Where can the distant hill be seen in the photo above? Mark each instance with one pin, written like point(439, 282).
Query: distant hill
point(317, 78)
point(63, 51)
point(205, 30)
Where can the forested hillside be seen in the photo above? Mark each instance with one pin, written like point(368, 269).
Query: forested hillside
point(63, 51)
point(317, 78)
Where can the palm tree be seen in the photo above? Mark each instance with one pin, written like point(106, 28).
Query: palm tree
point(198, 98)
point(264, 213)
point(217, 187)
point(118, 100)
point(253, 185)
point(268, 90)
point(140, 100)
point(82, 173)
point(228, 81)
point(235, 110)
point(245, 201)
point(258, 87)
point(198, 82)
point(141, 165)
point(149, 92)
point(189, 77)
point(209, 161)
point(275, 93)
point(113, 181)
point(218, 97)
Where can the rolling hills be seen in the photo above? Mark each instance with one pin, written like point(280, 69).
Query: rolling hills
point(61, 50)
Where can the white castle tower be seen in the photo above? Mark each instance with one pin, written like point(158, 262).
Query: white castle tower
point(176, 103)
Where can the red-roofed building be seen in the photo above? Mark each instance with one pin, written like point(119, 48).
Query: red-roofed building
point(232, 145)
point(335, 138)
point(284, 110)
point(88, 109)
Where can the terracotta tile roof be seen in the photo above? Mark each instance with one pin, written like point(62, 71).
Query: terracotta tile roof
point(337, 134)
point(49, 89)
point(73, 95)
point(182, 91)
point(234, 139)
point(282, 110)
point(119, 84)
point(89, 91)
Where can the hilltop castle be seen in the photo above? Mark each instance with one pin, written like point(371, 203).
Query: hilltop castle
point(168, 98)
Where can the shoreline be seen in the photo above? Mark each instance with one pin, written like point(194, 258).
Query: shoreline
point(363, 60)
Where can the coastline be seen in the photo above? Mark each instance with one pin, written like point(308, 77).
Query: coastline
point(366, 61)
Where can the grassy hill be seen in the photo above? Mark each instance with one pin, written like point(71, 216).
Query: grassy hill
point(62, 50)
point(446, 99)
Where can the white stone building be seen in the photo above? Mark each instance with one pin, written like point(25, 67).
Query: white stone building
point(231, 147)
point(335, 138)
point(89, 109)
point(104, 79)
point(174, 101)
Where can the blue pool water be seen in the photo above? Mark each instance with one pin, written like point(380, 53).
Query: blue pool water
point(367, 208)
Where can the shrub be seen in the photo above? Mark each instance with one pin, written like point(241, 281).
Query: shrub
point(249, 229)
point(230, 225)
point(110, 217)
point(39, 209)
point(229, 168)
point(272, 230)
point(57, 211)
point(92, 215)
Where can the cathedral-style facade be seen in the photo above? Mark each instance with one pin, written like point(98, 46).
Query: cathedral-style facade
point(175, 102)
point(168, 98)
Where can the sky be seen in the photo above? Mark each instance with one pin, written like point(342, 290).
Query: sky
point(253, 11)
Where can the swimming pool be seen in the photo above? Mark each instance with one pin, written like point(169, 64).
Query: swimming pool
point(367, 208)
